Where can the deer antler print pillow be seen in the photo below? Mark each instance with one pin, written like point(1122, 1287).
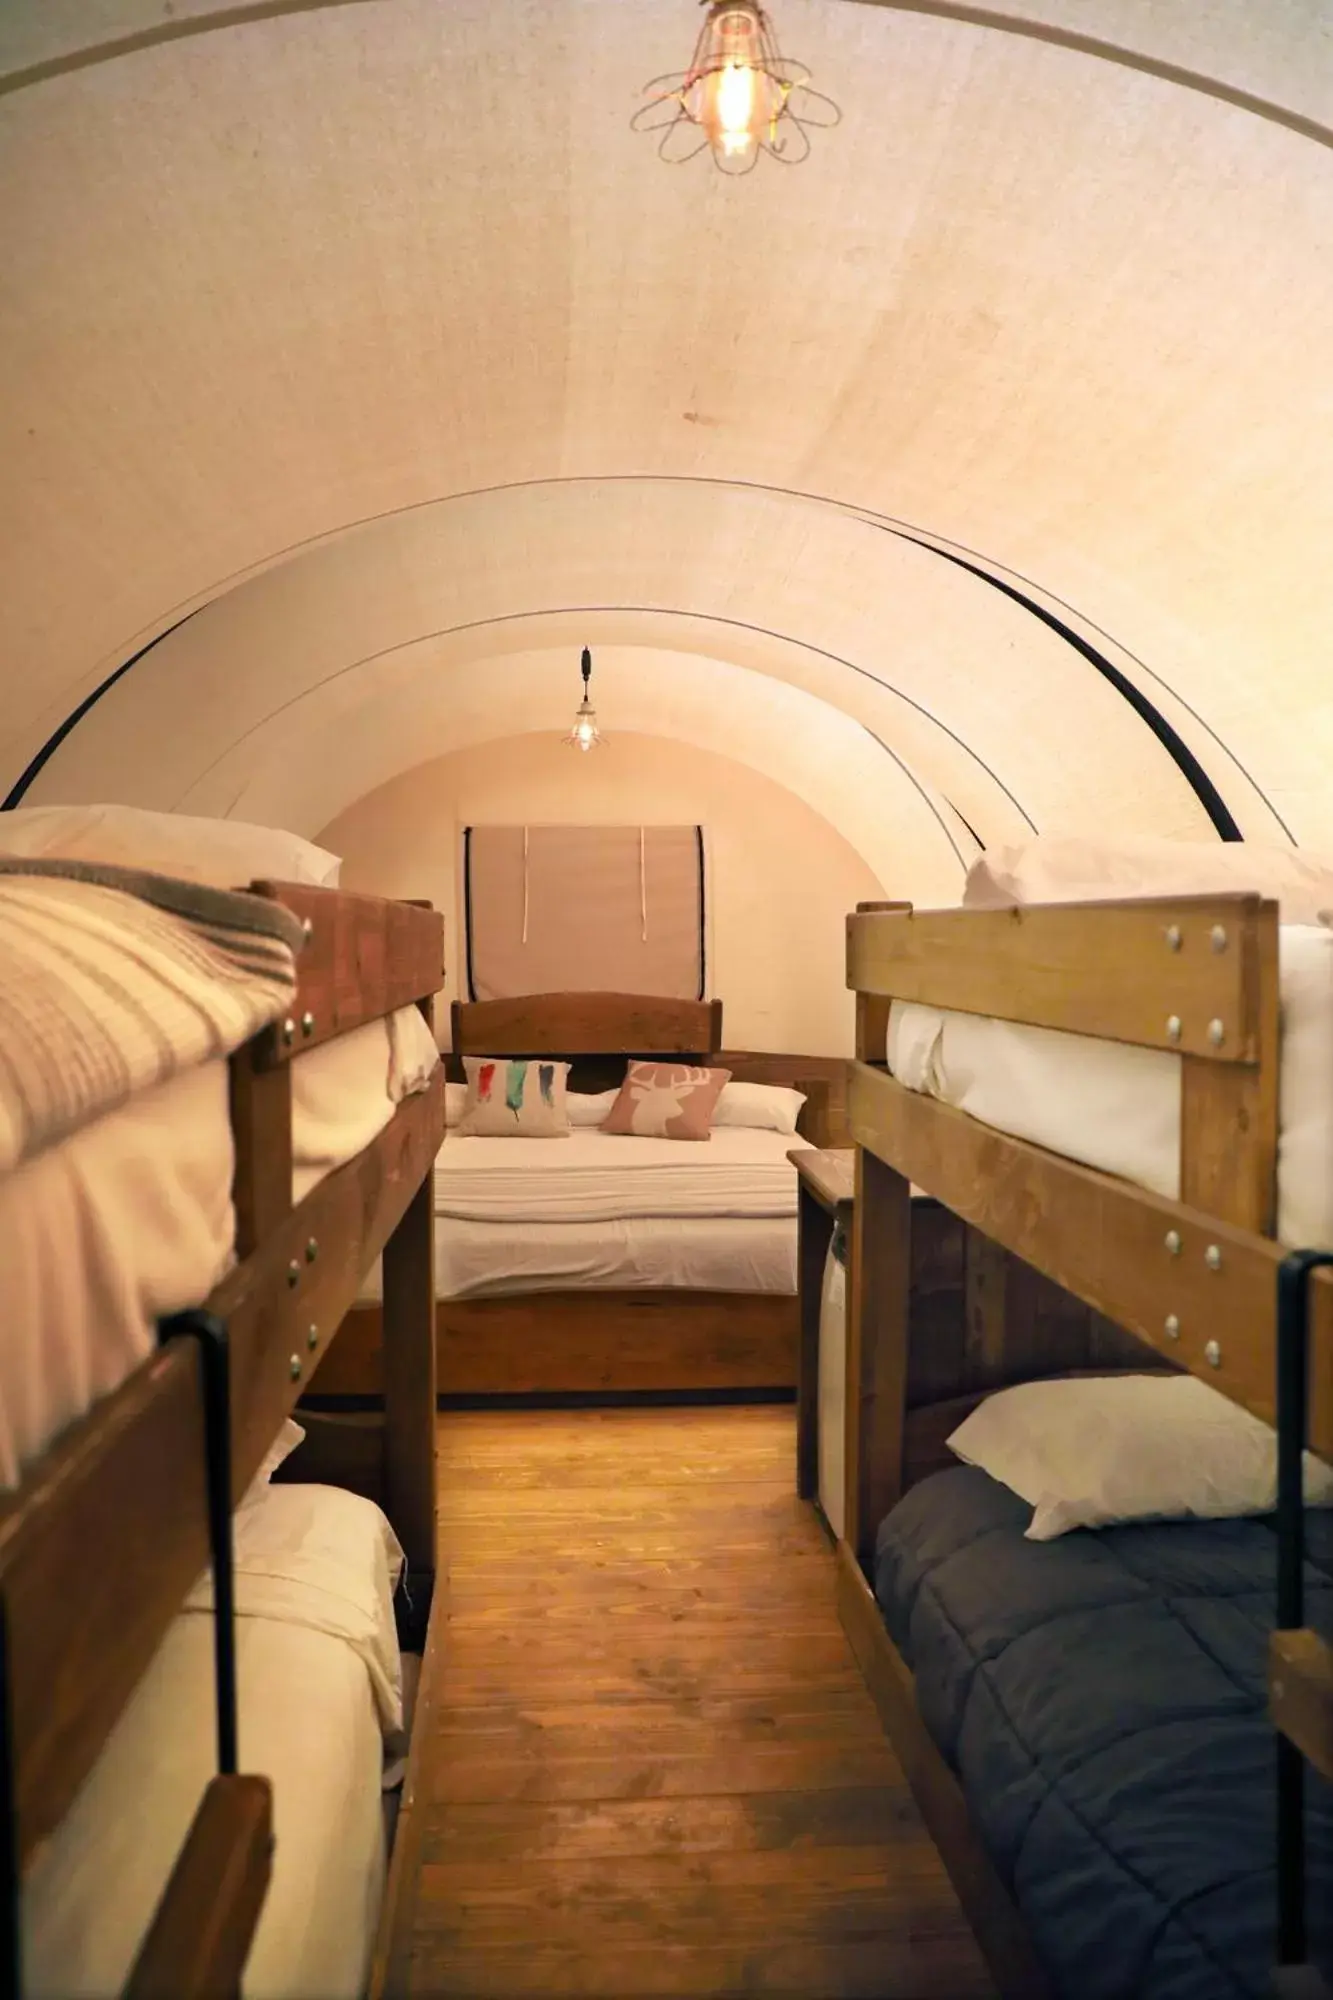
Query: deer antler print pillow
point(512, 1099)
point(663, 1100)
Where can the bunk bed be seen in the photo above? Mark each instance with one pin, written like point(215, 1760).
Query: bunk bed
point(687, 1287)
point(170, 1028)
point(1087, 1717)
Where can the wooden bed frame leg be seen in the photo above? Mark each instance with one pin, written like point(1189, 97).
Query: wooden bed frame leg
point(409, 1380)
point(878, 1325)
point(814, 1233)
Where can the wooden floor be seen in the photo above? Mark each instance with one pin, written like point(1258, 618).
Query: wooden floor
point(657, 1770)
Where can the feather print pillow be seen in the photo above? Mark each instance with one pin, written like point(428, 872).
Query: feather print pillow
point(512, 1097)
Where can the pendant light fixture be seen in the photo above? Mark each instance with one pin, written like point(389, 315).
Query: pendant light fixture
point(585, 735)
point(740, 96)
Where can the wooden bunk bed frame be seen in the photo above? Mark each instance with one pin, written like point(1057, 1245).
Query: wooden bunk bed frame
point(115, 1517)
point(614, 1342)
point(1188, 1284)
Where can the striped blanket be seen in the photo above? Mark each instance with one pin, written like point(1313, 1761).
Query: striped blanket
point(112, 981)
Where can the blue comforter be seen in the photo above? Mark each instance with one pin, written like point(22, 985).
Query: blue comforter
point(1102, 1699)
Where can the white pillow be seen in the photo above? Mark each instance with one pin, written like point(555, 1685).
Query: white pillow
point(283, 1445)
point(227, 853)
point(1088, 1452)
point(587, 1110)
point(1070, 869)
point(763, 1107)
point(325, 1558)
point(455, 1103)
point(413, 1056)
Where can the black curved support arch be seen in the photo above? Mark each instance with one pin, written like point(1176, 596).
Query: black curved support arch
point(1202, 786)
point(1198, 780)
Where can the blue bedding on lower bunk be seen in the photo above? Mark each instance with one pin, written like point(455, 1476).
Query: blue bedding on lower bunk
point(1102, 1699)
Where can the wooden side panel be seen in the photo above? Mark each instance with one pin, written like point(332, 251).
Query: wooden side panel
point(284, 1304)
point(364, 957)
point(814, 1233)
point(1229, 1112)
point(994, 1919)
point(391, 1964)
point(1201, 1292)
point(200, 1937)
point(1144, 972)
point(579, 1343)
point(409, 1378)
point(580, 1024)
point(117, 1511)
point(261, 1123)
point(878, 1324)
point(1300, 1693)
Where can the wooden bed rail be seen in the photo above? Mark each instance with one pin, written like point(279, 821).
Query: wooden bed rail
point(199, 1939)
point(1195, 976)
point(364, 957)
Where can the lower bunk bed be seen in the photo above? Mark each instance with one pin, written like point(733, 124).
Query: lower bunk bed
point(191, 1756)
point(1089, 1719)
point(1077, 1553)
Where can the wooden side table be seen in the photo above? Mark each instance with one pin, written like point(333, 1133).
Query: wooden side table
point(825, 1194)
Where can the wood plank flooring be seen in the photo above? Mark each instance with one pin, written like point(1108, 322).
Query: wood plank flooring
point(656, 1770)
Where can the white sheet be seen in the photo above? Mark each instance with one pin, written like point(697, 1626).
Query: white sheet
point(308, 1721)
point(717, 1215)
point(1118, 1108)
point(131, 1218)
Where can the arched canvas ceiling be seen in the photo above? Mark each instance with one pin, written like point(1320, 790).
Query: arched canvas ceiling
point(371, 329)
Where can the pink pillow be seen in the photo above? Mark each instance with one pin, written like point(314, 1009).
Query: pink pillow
point(664, 1100)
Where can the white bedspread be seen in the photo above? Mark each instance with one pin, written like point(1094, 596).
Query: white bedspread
point(130, 1219)
point(308, 1721)
point(595, 1176)
point(598, 1212)
point(1118, 1108)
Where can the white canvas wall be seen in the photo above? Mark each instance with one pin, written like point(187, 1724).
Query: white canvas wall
point(781, 878)
point(382, 307)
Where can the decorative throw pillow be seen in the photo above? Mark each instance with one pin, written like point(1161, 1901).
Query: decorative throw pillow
point(663, 1100)
point(513, 1097)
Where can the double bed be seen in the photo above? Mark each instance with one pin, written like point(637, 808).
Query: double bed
point(609, 1264)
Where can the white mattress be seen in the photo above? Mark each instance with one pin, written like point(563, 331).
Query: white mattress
point(1118, 1108)
point(604, 1212)
point(308, 1721)
point(131, 1218)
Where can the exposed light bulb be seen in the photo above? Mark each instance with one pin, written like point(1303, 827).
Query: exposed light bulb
point(740, 96)
point(735, 108)
point(585, 735)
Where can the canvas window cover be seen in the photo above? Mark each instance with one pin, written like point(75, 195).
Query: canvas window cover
point(584, 909)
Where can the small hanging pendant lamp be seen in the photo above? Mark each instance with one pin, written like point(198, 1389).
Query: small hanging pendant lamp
point(585, 735)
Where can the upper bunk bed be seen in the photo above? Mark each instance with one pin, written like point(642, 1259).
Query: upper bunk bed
point(613, 1262)
point(219, 1108)
point(1082, 1696)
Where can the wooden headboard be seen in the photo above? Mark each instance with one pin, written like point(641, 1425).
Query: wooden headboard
point(586, 1024)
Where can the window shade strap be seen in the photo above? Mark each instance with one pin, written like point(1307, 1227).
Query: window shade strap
point(525, 885)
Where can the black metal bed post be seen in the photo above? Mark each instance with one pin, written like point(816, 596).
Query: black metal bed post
point(211, 1334)
point(1293, 1314)
point(10, 1949)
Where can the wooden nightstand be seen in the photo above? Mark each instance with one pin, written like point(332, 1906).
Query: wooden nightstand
point(826, 1186)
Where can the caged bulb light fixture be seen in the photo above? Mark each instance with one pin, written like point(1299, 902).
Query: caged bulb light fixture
point(740, 96)
point(585, 735)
